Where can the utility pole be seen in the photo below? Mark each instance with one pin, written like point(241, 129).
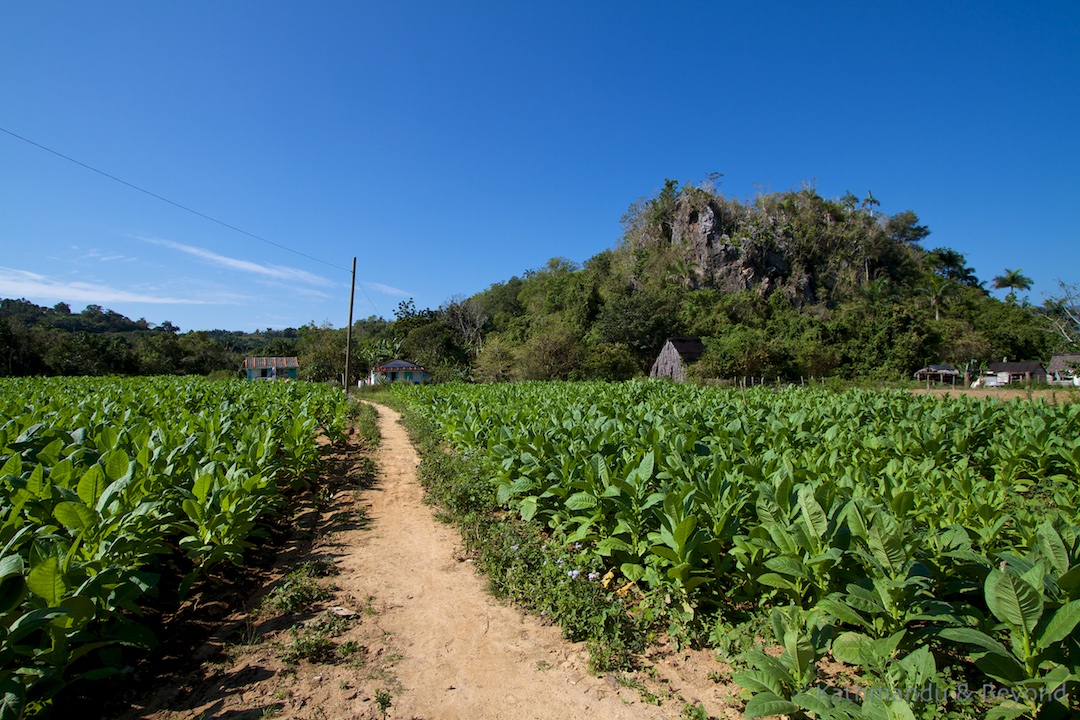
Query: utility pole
point(348, 333)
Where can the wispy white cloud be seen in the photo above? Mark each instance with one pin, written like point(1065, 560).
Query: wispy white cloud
point(386, 289)
point(308, 292)
point(276, 272)
point(23, 284)
point(108, 257)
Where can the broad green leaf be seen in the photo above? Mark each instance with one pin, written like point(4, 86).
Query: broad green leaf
point(970, 636)
point(759, 681)
point(10, 566)
point(611, 544)
point(62, 472)
point(902, 503)
point(1061, 625)
point(853, 648)
point(193, 510)
point(645, 468)
point(92, 484)
point(203, 486)
point(521, 485)
point(36, 484)
point(812, 512)
point(665, 552)
point(787, 565)
point(886, 545)
point(113, 492)
point(1013, 601)
point(13, 466)
point(47, 581)
point(836, 608)
point(581, 501)
point(31, 621)
point(75, 516)
point(79, 610)
point(776, 581)
point(1070, 582)
point(684, 530)
point(920, 666)
point(1003, 668)
point(695, 581)
point(887, 709)
point(766, 704)
point(799, 656)
point(1052, 548)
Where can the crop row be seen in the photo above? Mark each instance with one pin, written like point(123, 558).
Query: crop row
point(108, 485)
point(895, 532)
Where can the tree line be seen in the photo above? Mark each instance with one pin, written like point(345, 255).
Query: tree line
point(787, 285)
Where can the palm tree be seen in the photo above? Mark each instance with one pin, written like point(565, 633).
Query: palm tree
point(871, 202)
point(939, 291)
point(1014, 280)
point(953, 265)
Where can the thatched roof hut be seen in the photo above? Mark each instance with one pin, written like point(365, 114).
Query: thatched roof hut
point(938, 373)
point(1063, 366)
point(676, 355)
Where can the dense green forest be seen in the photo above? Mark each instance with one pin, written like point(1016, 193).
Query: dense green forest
point(787, 285)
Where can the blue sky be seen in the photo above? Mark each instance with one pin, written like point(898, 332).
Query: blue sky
point(449, 146)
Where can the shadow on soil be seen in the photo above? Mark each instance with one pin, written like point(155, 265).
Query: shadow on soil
point(220, 609)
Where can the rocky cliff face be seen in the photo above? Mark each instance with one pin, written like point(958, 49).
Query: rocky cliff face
point(724, 253)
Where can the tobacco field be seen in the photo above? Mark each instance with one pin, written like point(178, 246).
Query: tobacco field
point(112, 488)
point(929, 546)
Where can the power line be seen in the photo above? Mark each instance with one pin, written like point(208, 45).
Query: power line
point(172, 202)
point(184, 207)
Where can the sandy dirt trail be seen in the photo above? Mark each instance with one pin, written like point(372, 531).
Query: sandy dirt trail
point(463, 653)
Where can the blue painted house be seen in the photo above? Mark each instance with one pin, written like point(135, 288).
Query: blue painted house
point(399, 371)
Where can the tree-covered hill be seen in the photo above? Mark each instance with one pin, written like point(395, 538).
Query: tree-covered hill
point(790, 284)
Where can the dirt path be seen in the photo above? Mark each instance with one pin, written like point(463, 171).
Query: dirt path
point(464, 654)
point(407, 630)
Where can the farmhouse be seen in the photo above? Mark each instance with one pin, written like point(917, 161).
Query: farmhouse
point(1013, 372)
point(271, 368)
point(676, 355)
point(399, 371)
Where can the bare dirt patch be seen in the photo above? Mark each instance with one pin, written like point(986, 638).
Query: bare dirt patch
point(402, 626)
point(1058, 395)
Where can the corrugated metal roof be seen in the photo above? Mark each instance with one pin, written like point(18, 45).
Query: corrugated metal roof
point(938, 370)
point(1016, 367)
point(265, 363)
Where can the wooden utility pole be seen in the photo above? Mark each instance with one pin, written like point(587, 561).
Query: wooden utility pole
point(348, 333)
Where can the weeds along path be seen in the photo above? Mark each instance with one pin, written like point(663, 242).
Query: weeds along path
point(463, 654)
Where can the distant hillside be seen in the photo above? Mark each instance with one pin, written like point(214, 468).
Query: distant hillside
point(36, 340)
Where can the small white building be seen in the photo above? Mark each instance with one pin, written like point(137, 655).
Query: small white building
point(399, 371)
point(271, 368)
